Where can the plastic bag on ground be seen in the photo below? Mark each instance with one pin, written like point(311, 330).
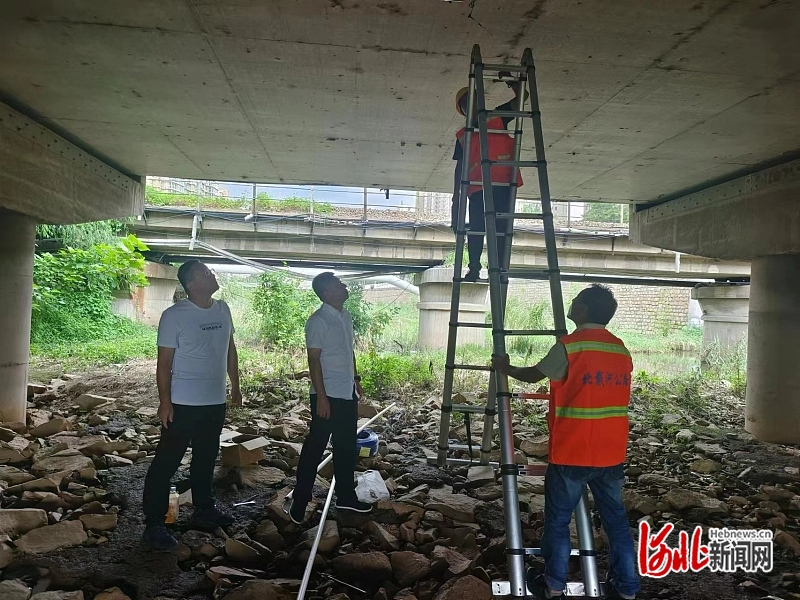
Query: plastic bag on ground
point(371, 488)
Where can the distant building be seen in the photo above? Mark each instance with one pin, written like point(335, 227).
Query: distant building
point(197, 187)
point(434, 203)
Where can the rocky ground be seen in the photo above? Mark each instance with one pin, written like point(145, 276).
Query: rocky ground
point(72, 476)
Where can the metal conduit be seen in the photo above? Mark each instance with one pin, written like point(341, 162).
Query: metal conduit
point(320, 529)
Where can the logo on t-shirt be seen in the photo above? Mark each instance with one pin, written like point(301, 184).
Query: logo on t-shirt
point(211, 327)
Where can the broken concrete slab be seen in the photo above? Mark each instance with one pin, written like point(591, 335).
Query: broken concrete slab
point(68, 460)
point(52, 427)
point(99, 523)
point(456, 506)
point(17, 521)
point(330, 537)
point(363, 566)
point(409, 567)
point(52, 537)
point(14, 589)
point(257, 476)
point(88, 402)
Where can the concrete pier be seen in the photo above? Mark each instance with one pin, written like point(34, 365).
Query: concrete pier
point(435, 289)
point(725, 309)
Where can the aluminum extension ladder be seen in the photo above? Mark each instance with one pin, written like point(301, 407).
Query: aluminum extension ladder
point(499, 398)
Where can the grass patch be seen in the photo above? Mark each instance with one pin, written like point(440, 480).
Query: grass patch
point(128, 341)
point(385, 374)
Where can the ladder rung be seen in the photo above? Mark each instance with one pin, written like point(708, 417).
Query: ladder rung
point(510, 68)
point(519, 163)
point(477, 325)
point(501, 215)
point(531, 332)
point(493, 184)
point(472, 368)
point(538, 552)
point(528, 274)
point(473, 409)
point(479, 233)
point(530, 396)
point(532, 470)
point(509, 113)
point(463, 447)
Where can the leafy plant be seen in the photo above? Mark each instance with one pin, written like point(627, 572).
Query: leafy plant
point(74, 288)
point(384, 374)
point(82, 235)
point(603, 212)
point(283, 308)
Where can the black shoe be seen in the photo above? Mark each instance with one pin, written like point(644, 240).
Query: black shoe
point(297, 512)
point(353, 504)
point(211, 518)
point(538, 586)
point(613, 594)
point(159, 538)
point(472, 275)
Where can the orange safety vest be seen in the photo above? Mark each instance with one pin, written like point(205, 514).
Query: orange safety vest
point(588, 417)
point(501, 147)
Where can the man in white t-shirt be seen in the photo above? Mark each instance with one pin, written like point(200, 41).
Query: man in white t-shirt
point(195, 353)
point(335, 391)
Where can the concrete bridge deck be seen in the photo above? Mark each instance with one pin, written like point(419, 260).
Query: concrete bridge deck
point(303, 240)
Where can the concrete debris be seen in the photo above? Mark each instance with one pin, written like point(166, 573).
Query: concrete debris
point(464, 588)
point(88, 402)
point(366, 566)
point(438, 537)
point(22, 520)
point(99, 523)
point(329, 541)
point(51, 427)
point(52, 537)
point(409, 567)
point(14, 589)
point(259, 589)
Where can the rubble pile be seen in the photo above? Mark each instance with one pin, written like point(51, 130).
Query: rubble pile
point(440, 536)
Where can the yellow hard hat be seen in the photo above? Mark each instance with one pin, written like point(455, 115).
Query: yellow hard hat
point(459, 95)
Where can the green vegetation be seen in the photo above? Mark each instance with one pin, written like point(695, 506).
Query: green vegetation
point(603, 212)
point(263, 202)
point(72, 294)
point(397, 374)
point(283, 305)
point(83, 235)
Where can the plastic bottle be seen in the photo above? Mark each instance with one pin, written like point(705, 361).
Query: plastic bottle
point(173, 507)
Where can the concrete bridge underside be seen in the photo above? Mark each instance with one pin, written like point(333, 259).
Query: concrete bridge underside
point(685, 109)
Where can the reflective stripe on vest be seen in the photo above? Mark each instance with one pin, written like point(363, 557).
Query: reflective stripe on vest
point(586, 346)
point(588, 416)
point(576, 412)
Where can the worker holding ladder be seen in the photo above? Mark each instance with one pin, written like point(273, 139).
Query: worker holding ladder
point(590, 384)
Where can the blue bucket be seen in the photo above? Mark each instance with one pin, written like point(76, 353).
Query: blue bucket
point(367, 443)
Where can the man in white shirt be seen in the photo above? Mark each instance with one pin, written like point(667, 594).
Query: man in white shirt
point(195, 352)
point(335, 391)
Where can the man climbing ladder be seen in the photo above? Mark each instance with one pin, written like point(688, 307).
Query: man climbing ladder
point(501, 147)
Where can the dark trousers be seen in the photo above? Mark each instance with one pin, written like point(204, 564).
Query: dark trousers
point(477, 222)
point(199, 426)
point(341, 425)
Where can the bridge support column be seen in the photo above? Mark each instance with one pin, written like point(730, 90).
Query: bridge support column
point(773, 351)
point(17, 239)
point(725, 308)
point(435, 289)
